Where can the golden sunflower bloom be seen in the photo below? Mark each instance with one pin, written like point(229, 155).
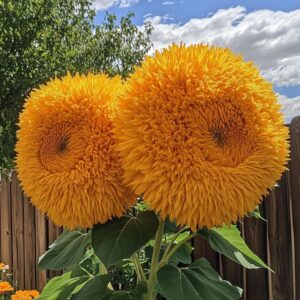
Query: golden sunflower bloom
point(65, 159)
point(201, 135)
point(5, 287)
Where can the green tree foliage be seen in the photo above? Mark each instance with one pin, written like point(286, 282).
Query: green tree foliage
point(40, 39)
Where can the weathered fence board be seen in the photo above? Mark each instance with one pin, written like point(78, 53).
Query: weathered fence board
point(295, 197)
point(255, 234)
point(25, 234)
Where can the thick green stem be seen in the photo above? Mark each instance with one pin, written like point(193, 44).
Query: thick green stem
point(174, 239)
point(138, 268)
point(154, 261)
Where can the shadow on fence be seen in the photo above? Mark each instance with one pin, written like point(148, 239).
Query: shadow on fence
point(25, 235)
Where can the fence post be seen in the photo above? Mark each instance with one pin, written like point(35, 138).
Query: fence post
point(295, 193)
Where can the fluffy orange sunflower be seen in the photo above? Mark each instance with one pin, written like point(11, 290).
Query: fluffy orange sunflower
point(65, 157)
point(201, 135)
point(5, 287)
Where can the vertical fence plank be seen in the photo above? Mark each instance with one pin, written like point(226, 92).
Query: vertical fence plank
point(255, 236)
point(5, 229)
point(232, 271)
point(29, 245)
point(41, 246)
point(280, 240)
point(202, 249)
point(53, 233)
point(295, 193)
point(17, 232)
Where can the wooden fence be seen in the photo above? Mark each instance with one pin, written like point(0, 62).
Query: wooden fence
point(25, 234)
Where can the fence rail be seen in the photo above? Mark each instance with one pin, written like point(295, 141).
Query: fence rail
point(25, 234)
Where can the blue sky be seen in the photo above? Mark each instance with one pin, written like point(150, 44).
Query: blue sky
point(266, 32)
point(184, 10)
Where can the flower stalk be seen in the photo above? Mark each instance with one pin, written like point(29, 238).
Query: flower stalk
point(155, 261)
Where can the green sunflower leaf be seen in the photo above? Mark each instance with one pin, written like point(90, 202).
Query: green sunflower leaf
point(183, 254)
point(199, 281)
point(120, 238)
point(96, 288)
point(256, 214)
point(62, 287)
point(135, 294)
point(227, 240)
point(67, 251)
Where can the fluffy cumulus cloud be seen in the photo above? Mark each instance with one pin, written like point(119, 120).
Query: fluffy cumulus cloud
point(290, 107)
point(270, 39)
point(102, 4)
point(105, 4)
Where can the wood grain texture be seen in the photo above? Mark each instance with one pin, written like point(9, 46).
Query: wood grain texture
point(295, 197)
point(256, 286)
point(6, 222)
point(280, 240)
point(41, 246)
point(53, 232)
point(29, 245)
point(17, 231)
point(202, 249)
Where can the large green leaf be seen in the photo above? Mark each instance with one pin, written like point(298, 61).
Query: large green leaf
point(197, 282)
point(228, 241)
point(96, 287)
point(120, 238)
point(183, 254)
point(135, 294)
point(62, 287)
point(66, 251)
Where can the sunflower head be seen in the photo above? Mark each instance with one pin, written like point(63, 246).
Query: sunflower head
point(200, 134)
point(65, 157)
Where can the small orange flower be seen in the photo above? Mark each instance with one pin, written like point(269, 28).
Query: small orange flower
point(3, 267)
point(5, 287)
point(25, 295)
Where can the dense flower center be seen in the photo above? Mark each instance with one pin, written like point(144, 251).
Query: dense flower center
point(219, 136)
point(228, 143)
point(61, 147)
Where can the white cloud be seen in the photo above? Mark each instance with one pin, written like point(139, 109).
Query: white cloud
point(105, 4)
point(128, 3)
point(102, 4)
point(269, 38)
point(290, 107)
point(147, 16)
point(168, 2)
